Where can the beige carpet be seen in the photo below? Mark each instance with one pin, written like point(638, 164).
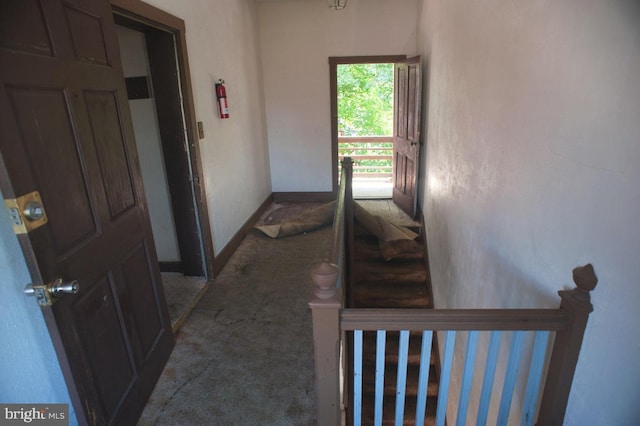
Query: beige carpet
point(180, 291)
point(245, 355)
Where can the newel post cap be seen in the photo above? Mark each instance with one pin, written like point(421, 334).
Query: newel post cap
point(324, 276)
point(579, 298)
point(585, 277)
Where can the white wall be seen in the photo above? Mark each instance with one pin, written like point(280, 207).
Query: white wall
point(532, 159)
point(297, 38)
point(135, 63)
point(29, 369)
point(222, 43)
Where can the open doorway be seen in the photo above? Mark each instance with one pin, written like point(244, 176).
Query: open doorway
point(152, 74)
point(362, 92)
point(405, 139)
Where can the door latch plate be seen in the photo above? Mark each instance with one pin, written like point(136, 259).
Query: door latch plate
point(26, 212)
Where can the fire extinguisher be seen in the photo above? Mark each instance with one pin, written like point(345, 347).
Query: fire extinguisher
point(221, 94)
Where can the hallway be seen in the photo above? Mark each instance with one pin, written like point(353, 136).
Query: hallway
point(245, 354)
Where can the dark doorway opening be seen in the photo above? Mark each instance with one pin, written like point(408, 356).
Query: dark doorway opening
point(156, 108)
point(155, 66)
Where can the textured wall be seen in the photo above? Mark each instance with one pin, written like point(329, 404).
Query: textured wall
point(297, 38)
point(532, 168)
point(29, 370)
point(222, 42)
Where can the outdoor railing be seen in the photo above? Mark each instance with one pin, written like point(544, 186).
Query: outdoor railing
point(372, 156)
point(555, 331)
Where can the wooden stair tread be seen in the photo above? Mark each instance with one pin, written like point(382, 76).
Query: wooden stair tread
point(389, 406)
point(374, 297)
point(386, 302)
point(412, 272)
point(368, 384)
point(368, 249)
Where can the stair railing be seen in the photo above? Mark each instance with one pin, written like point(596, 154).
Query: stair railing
point(531, 339)
point(329, 294)
point(558, 331)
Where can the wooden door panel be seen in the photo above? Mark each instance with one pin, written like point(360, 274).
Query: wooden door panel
point(87, 35)
point(406, 139)
point(412, 120)
point(143, 312)
point(401, 102)
point(110, 147)
point(400, 179)
point(44, 123)
point(27, 31)
point(103, 344)
point(409, 170)
point(65, 131)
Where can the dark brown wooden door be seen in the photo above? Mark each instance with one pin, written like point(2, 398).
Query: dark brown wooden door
point(406, 134)
point(65, 131)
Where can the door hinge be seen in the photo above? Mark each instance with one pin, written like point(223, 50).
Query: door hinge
point(26, 212)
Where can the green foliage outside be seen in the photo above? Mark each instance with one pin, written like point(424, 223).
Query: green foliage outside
point(365, 108)
point(365, 100)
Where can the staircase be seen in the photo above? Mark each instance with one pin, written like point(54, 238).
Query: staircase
point(397, 283)
point(373, 301)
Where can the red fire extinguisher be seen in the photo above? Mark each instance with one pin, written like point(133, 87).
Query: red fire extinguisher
point(221, 94)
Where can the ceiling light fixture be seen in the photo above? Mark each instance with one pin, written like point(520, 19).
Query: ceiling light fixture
point(337, 4)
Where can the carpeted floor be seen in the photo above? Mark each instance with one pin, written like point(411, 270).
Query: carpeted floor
point(180, 291)
point(245, 355)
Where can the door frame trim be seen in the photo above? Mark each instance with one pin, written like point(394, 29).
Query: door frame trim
point(334, 61)
point(137, 10)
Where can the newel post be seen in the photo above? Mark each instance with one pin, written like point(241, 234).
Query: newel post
point(562, 365)
point(325, 313)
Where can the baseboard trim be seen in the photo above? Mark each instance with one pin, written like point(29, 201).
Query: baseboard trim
point(303, 196)
point(170, 266)
point(223, 257)
point(436, 343)
point(423, 231)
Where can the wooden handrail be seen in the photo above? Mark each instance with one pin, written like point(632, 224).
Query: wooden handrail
point(339, 213)
point(453, 319)
point(325, 307)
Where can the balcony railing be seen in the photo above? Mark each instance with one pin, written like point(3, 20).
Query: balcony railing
point(372, 156)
